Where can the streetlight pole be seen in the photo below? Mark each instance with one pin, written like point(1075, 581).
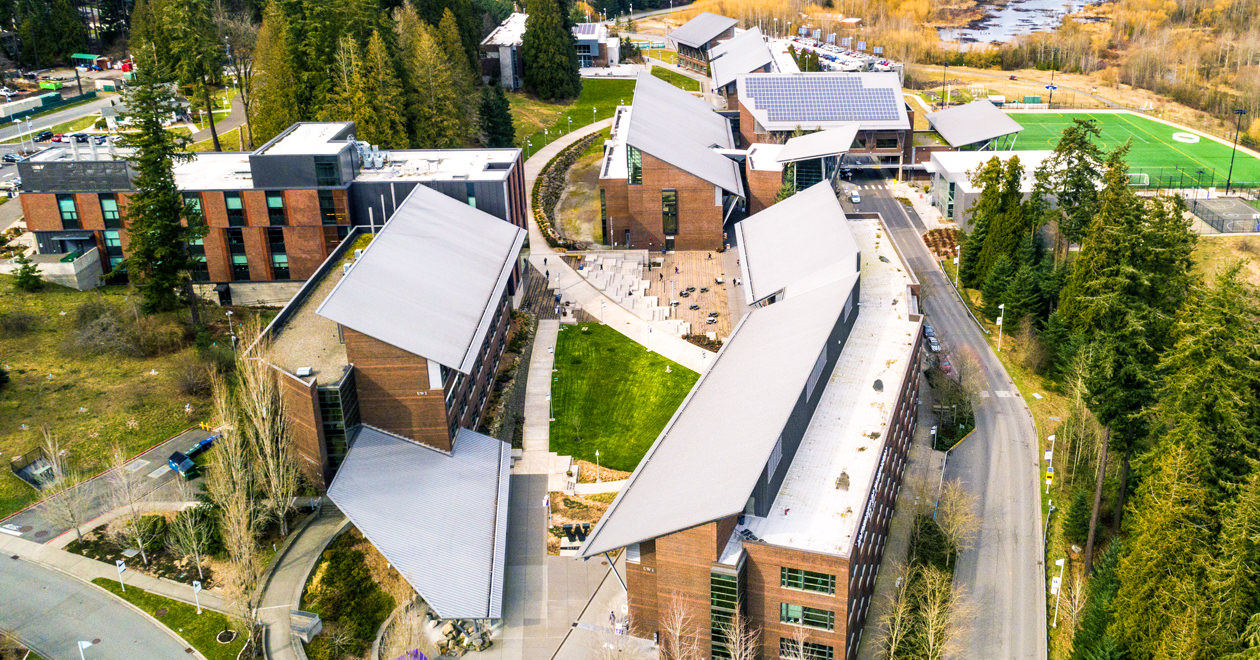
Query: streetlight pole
point(1237, 129)
point(1001, 313)
point(957, 267)
point(598, 477)
point(944, 87)
point(1058, 592)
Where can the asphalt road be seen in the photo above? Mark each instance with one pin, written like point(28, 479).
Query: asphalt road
point(1002, 574)
point(52, 612)
point(10, 130)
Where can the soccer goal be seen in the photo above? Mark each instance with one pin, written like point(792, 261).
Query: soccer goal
point(1139, 179)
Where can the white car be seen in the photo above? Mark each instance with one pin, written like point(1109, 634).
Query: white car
point(934, 345)
point(855, 197)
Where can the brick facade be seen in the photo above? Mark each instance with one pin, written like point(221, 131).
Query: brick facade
point(306, 431)
point(637, 208)
point(394, 393)
point(763, 186)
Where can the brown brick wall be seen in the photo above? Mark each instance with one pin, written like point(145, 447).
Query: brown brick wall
point(303, 209)
point(41, 211)
point(683, 560)
point(763, 185)
point(255, 202)
point(641, 585)
point(214, 208)
point(764, 595)
point(617, 207)
point(518, 208)
point(305, 247)
point(301, 402)
point(256, 252)
point(699, 219)
point(393, 389)
point(90, 214)
point(215, 244)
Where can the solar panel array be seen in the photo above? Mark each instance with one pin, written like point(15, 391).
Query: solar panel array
point(822, 98)
point(585, 28)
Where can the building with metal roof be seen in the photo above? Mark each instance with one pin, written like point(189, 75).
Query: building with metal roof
point(746, 52)
point(952, 191)
point(976, 126)
point(773, 484)
point(439, 518)
point(696, 38)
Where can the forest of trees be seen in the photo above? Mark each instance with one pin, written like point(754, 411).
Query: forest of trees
point(1165, 373)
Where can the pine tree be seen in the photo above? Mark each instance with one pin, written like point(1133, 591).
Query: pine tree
point(495, 118)
point(1070, 175)
point(27, 276)
point(159, 223)
point(787, 189)
point(1091, 641)
point(461, 74)
point(995, 286)
point(549, 53)
point(1008, 223)
point(345, 74)
point(1023, 300)
point(185, 42)
point(1233, 576)
point(275, 105)
point(983, 213)
point(435, 111)
point(379, 104)
point(1159, 607)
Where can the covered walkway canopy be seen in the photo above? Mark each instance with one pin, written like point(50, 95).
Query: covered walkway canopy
point(440, 519)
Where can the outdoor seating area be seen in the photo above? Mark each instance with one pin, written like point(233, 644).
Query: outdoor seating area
point(693, 283)
point(623, 276)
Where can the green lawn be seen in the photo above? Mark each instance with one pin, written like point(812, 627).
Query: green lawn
point(611, 394)
point(198, 630)
point(230, 141)
point(676, 79)
point(1168, 162)
point(598, 100)
point(666, 56)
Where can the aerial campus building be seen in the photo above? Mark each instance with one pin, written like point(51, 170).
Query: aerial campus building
point(273, 214)
point(696, 39)
point(500, 51)
point(746, 52)
point(772, 486)
point(975, 126)
point(953, 192)
point(385, 358)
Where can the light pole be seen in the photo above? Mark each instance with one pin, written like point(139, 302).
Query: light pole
point(776, 27)
point(598, 477)
point(528, 145)
point(1237, 129)
point(197, 590)
point(83, 645)
point(957, 266)
point(1058, 591)
point(1001, 313)
point(571, 124)
point(944, 87)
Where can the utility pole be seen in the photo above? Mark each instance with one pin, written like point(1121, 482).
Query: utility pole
point(944, 87)
point(1237, 129)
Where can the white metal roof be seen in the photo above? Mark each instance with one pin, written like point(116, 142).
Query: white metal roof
point(831, 142)
point(702, 29)
point(707, 460)
point(682, 130)
point(973, 122)
point(796, 245)
point(509, 33)
point(431, 280)
point(440, 519)
point(744, 53)
point(308, 138)
point(957, 166)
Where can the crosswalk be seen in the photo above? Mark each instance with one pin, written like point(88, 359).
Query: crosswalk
point(872, 186)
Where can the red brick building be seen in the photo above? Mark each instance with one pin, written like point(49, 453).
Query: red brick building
point(273, 215)
point(771, 489)
point(697, 37)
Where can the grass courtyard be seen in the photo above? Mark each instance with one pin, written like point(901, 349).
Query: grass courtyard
point(598, 100)
point(676, 79)
point(611, 394)
point(1168, 161)
point(199, 630)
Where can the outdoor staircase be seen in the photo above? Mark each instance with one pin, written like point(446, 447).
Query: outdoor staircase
point(619, 275)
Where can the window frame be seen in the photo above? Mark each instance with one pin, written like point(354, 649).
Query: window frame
point(68, 216)
point(235, 216)
point(327, 213)
point(806, 580)
point(113, 218)
point(669, 212)
point(634, 166)
point(277, 215)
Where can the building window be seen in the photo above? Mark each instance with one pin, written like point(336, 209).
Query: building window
point(327, 207)
point(470, 191)
point(192, 202)
point(669, 212)
point(603, 210)
point(235, 209)
point(236, 247)
point(811, 617)
point(109, 210)
point(634, 165)
point(326, 171)
point(279, 256)
point(275, 208)
point(113, 242)
point(807, 650)
point(197, 251)
point(795, 578)
point(723, 599)
point(69, 212)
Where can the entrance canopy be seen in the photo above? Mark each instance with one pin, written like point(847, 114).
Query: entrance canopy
point(831, 142)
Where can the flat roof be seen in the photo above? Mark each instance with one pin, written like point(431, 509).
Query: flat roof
point(957, 166)
point(978, 121)
point(444, 165)
point(509, 33)
point(306, 339)
point(439, 519)
point(615, 166)
point(707, 460)
point(820, 144)
point(764, 156)
point(684, 131)
point(828, 99)
point(796, 245)
point(431, 281)
point(590, 31)
point(314, 138)
point(810, 512)
point(215, 171)
point(744, 53)
point(702, 29)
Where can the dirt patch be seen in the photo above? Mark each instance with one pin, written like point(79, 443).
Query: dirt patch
point(588, 473)
point(942, 242)
point(578, 209)
point(1215, 253)
point(573, 510)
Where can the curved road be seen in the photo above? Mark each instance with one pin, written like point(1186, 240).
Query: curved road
point(999, 463)
point(52, 612)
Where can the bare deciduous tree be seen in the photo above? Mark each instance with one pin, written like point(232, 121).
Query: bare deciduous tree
point(240, 35)
point(796, 645)
point(743, 640)
point(264, 422)
point(229, 484)
point(407, 632)
point(189, 530)
point(957, 517)
point(125, 488)
point(1073, 604)
point(679, 637)
point(944, 613)
point(895, 622)
point(66, 501)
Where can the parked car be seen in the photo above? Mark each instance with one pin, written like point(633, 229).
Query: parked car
point(59, 138)
point(945, 365)
point(43, 136)
point(100, 139)
point(80, 137)
point(928, 330)
point(934, 345)
point(11, 158)
point(855, 197)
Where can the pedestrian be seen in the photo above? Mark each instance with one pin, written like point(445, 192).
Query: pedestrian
point(548, 275)
point(544, 261)
point(675, 270)
point(612, 618)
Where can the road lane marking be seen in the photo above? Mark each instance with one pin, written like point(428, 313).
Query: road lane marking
point(156, 474)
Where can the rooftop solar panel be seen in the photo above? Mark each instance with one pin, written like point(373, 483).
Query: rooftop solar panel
point(822, 98)
point(585, 28)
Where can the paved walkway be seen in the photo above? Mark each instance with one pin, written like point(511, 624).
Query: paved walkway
point(536, 456)
point(282, 590)
point(574, 287)
point(235, 119)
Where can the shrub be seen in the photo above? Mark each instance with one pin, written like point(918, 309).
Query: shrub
point(192, 376)
point(17, 323)
point(1076, 519)
point(153, 529)
point(93, 309)
point(4, 377)
point(102, 335)
point(27, 276)
point(346, 595)
point(155, 336)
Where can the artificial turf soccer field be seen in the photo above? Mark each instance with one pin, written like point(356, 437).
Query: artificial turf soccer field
point(1153, 149)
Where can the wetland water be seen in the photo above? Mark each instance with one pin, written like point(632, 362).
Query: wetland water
point(1017, 17)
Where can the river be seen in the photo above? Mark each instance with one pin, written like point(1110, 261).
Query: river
point(1017, 17)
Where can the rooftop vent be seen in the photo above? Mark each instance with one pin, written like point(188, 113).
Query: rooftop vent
point(304, 372)
point(879, 385)
point(842, 481)
point(358, 253)
point(345, 268)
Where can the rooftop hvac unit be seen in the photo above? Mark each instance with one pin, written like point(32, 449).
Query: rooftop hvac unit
point(304, 372)
point(358, 253)
point(345, 268)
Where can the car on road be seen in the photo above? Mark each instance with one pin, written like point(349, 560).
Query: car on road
point(11, 158)
point(43, 136)
point(855, 197)
point(945, 365)
point(929, 331)
point(59, 138)
point(934, 345)
point(80, 137)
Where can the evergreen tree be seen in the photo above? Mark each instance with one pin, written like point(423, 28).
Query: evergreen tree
point(995, 287)
point(1091, 641)
point(1070, 175)
point(159, 223)
point(27, 276)
point(1059, 343)
point(346, 72)
point(1023, 299)
point(495, 118)
point(1159, 607)
point(549, 53)
point(1233, 576)
point(435, 111)
point(49, 31)
point(379, 104)
point(195, 49)
point(788, 188)
point(1008, 223)
point(275, 106)
point(461, 75)
point(983, 213)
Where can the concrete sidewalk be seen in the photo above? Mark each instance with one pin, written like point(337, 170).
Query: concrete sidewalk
point(574, 287)
point(282, 590)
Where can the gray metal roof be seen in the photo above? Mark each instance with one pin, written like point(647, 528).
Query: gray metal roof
point(682, 130)
point(820, 100)
point(702, 29)
point(440, 519)
point(796, 245)
point(973, 122)
point(831, 142)
point(431, 280)
point(705, 463)
point(745, 53)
